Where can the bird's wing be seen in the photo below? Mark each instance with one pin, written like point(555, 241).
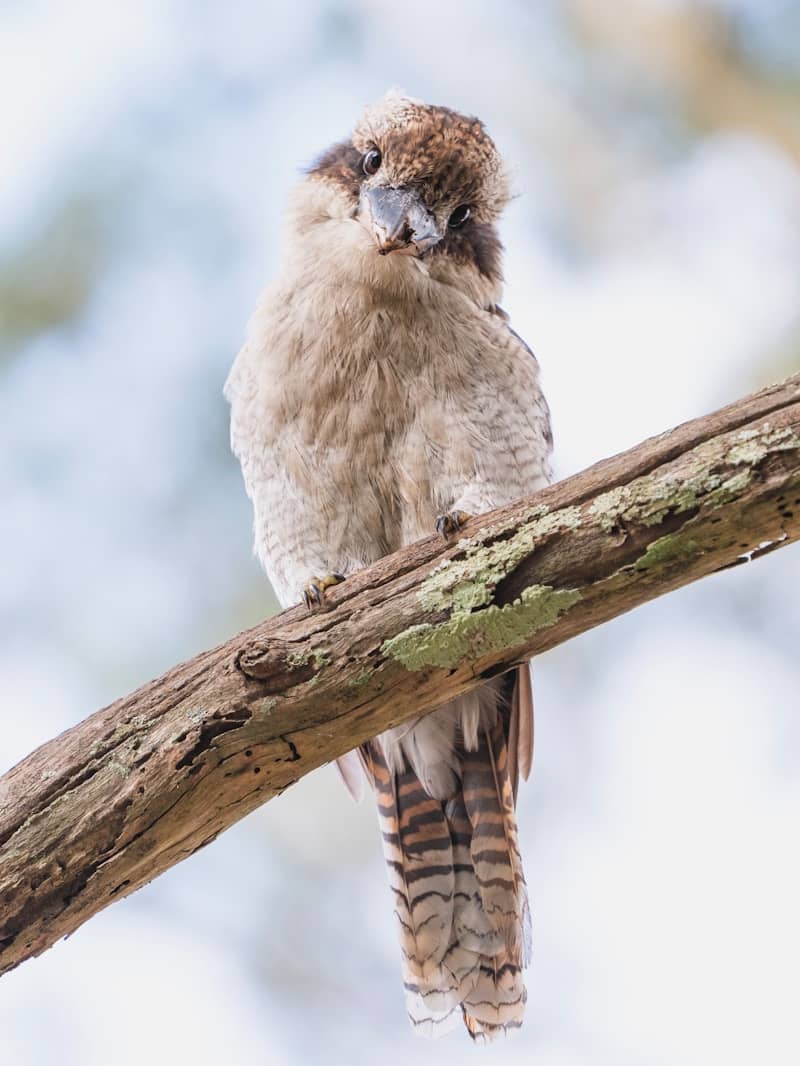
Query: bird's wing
point(520, 725)
point(352, 773)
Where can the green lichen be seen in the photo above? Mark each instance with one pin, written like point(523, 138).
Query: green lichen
point(361, 679)
point(318, 656)
point(609, 506)
point(649, 499)
point(754, 445)
point(732, 487)
point(463, 585)
point(115, 768)
point(100, 747)
point(666, 550)
point(266, 706)
point(468, 635)
point(715, 472)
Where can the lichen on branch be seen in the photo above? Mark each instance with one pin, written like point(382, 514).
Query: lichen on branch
point(99, 811)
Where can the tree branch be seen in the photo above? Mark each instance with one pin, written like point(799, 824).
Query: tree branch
point(99, 811)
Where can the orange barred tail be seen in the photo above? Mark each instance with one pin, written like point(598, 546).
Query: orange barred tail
point(460, 898)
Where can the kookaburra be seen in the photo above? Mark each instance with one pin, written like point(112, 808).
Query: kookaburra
point(381, 395)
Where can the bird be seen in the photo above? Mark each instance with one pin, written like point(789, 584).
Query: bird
point(382, 396)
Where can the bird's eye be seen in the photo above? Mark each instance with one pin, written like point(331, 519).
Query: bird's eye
point(459, 216)
point(371, 162)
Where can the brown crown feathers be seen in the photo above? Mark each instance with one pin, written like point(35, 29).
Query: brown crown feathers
point(448, 158)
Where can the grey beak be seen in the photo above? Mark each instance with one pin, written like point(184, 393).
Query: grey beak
point(400, 220)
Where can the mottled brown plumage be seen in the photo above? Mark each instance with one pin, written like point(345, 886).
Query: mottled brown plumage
point(379, 389)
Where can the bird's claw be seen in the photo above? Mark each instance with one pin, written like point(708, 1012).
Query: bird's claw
point(314, 590)
point(451, 522)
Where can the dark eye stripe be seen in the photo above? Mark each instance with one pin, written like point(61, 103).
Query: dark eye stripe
point(476, 243)
point(341, 164)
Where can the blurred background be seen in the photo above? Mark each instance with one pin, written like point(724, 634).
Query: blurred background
point(653, 263)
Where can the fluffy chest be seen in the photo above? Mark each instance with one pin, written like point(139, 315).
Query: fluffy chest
point(346, 366)
point(362, 412)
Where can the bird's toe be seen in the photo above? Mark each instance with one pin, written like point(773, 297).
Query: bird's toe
point(451, 522)
point(314, 588)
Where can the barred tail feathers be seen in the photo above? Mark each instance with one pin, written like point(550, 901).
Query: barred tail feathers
point(455, 871)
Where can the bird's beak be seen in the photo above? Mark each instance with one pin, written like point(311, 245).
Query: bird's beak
point(399, 220)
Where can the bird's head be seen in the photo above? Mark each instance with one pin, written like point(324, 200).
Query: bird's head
point(422, 181)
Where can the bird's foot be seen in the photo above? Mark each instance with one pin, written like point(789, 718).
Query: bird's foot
point(451, 522)
point(314, 589)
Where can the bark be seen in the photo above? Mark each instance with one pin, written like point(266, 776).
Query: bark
point(99, 811)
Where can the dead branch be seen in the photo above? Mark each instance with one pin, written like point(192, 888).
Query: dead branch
point(99, 811)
